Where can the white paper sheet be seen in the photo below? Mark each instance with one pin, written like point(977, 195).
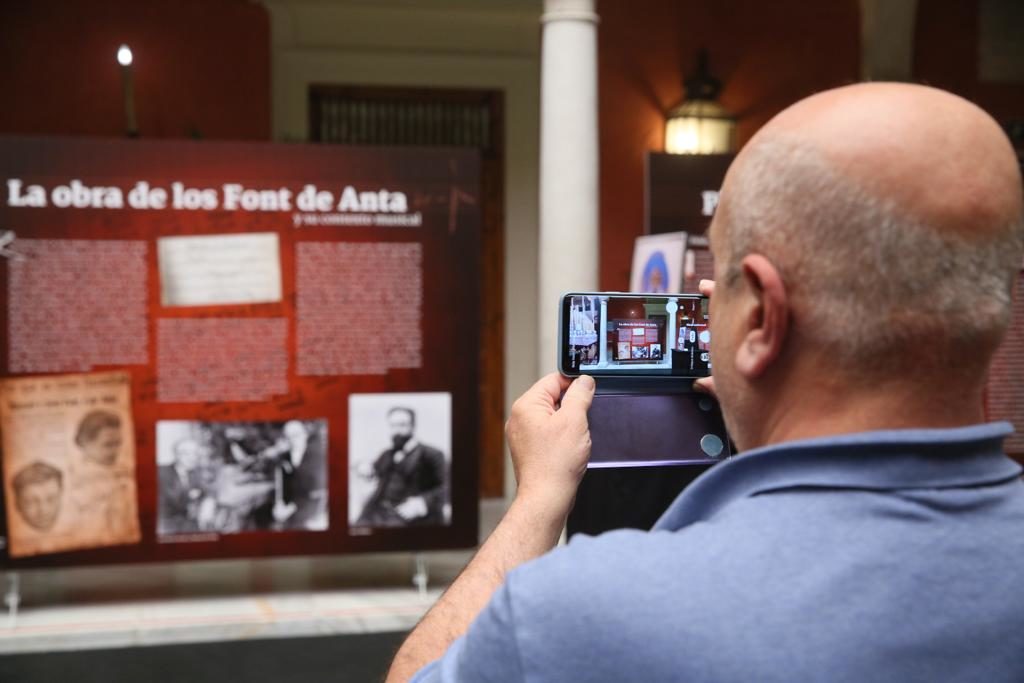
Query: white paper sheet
point(220, 269)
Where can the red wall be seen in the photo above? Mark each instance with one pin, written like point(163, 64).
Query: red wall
point(767, 54)
point(200, 65)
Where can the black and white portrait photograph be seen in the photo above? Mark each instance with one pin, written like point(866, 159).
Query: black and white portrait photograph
point(231, 477)
point(399, 459)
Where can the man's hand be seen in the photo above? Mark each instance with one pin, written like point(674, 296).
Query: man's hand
point(550, 444)
point(365, 471)
point(206, 514)
point(706, 384)
point(550, 440)
point(412, 508)
point(282, 511)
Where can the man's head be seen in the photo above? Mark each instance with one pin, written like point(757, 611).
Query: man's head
point(187, 454)
point(866, 236)
point(37, 494)
point(99, 437)
point(402, 423)
point(296, 434)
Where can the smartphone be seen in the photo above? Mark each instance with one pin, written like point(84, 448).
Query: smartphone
point(616, 334)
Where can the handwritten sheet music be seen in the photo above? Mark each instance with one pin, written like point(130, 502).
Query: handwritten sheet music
point(219, 269)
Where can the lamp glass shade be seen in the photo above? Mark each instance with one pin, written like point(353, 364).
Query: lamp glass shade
point(699, 127)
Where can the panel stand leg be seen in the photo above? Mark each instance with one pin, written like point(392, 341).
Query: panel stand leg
point(12, 598)
point(419, 577)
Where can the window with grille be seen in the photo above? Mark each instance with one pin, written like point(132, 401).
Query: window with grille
point(397, 116)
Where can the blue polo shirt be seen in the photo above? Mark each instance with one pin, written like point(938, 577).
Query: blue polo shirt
point(881, 556)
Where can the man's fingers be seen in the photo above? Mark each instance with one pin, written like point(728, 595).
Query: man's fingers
point(552, 385)
point(580, 394)
point(705, 385)
point(545, 391)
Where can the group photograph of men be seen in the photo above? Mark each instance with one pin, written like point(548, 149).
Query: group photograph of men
point(232, 477)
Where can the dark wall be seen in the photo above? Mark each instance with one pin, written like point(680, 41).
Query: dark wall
point(946, 56)
point(201, 67)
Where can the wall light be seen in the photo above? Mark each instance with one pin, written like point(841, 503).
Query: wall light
point(700, 125)
point(124, 58)
point(124, 55)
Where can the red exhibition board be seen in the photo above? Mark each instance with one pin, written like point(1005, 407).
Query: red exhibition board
point(299, 327)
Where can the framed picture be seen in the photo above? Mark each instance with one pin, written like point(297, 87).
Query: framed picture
point(658, 263)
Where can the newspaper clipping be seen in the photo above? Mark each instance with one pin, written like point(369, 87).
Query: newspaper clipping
point(69, 462)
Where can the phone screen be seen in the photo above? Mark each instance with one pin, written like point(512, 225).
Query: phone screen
point(635, 334)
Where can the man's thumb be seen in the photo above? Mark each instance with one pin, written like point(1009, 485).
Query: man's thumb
point(580, 393)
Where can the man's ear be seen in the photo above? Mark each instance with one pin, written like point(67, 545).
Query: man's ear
point(767, 323)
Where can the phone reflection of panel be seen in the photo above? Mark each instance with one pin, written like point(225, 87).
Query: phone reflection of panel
point(637, 333)
point(584, 323)
point(399, 460)
point(232, 477)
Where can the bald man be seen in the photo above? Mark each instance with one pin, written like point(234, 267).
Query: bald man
point(866, 248)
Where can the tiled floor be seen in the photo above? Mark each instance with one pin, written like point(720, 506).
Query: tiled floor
point(104, 607)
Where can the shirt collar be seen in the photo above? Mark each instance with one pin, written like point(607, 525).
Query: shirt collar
point(879, 461)
point(410, 446)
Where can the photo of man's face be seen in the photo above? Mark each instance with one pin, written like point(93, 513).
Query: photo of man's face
point(38, 491)
point(105, 447)
point(400, 422)
point(99, 437)
point(187, 454)
point(296, 435)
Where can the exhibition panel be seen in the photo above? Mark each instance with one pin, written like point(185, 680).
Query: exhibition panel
point(218, 350)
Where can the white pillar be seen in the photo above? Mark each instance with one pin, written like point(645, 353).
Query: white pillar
point(568, 162)
point(602, 335)
point(887, 39)
point(671, 308)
